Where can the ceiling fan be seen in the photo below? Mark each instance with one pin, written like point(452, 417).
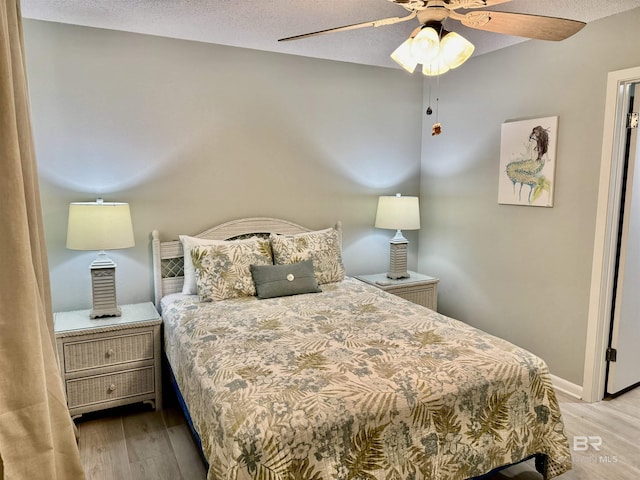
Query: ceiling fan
point(426, 11)
point(439, 50)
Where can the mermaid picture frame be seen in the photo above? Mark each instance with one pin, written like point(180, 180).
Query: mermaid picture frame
point(528, 162)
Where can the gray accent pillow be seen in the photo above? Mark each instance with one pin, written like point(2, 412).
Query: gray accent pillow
point(282, 280)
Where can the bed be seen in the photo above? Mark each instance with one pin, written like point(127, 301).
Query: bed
point(346, 381)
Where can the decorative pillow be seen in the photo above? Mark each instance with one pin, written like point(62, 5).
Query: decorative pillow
point(282, 280)
point(321, 246)
point(189, 285)
point(222, 271)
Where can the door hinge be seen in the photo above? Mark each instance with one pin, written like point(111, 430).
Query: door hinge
point(632, 120)
point(612, 354)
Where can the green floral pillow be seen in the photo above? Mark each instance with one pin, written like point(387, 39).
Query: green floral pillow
point(322, 246)
point(222, 271)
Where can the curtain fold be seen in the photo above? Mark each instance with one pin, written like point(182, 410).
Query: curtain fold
point(36, 433)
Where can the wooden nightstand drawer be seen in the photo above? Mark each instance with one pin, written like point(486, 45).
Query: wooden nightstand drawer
point(103, 388)
point(108, 351)
point(421, 295)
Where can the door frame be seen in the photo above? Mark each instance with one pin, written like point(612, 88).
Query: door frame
point(605, 241)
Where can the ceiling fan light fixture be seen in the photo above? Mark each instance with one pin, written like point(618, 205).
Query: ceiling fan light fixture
point(425, 45)
point(455, 49)
point(437, 49)
point(403, 56)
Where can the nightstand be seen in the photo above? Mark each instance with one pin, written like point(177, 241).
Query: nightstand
point(418, 288)
point(112, 361)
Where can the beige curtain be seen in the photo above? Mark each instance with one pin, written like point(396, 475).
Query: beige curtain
point(36, 433)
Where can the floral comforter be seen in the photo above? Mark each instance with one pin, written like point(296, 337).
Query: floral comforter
point(354, 383)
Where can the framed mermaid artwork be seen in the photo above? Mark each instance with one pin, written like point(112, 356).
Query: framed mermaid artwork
point(528, 162)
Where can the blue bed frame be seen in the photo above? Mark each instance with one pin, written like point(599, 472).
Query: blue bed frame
point(183, 407)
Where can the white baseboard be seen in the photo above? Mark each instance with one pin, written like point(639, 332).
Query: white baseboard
point(566, 387)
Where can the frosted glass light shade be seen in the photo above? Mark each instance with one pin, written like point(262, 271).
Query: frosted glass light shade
point(437, 67)
point(99, 226)
point(425, 45)
point(403, 56)
point(455, 49)
point(398, 213)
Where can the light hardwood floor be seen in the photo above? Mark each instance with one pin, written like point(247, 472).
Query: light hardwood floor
point(137, 444)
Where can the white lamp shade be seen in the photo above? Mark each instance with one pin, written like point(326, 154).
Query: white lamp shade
point(99, 226)
point(398, 213)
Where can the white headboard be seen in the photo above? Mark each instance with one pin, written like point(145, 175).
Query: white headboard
point(168, 266)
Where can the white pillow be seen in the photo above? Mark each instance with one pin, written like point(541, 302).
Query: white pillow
point(189, 287)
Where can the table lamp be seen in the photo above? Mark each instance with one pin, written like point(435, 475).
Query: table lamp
point(101, 226)
point(398, 213)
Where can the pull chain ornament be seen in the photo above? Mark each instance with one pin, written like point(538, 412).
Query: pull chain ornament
point(436, 129)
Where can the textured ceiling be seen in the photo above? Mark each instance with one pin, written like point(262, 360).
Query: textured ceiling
point(259, 24)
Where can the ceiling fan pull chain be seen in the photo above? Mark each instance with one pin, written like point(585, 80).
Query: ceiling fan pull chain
point(429, 110)
point(437, 95)
point(436, 129)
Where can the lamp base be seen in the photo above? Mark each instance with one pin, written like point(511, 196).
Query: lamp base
point(105, 313)
point(398, 259)
point(103, 288)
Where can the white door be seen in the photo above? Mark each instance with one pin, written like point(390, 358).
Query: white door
point(624, 365)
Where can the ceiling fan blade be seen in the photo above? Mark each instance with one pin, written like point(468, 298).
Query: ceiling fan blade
point(491, 3)
point(521, 24)
point(456, 4)
point(373, 23)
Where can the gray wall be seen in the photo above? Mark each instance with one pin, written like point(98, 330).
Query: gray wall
point(522, 273)
point(192, 135)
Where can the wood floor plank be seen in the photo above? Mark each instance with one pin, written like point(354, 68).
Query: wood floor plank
point(609, 422)
point(103, 450)
point(155, 468)
point(587, 469)
point(149, 448)
point(607, 450)
point(628, 402)
point(186, 451)
point(617, 424)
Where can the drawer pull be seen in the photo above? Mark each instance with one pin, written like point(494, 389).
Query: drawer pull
point(110, 352)
point(112, 388)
